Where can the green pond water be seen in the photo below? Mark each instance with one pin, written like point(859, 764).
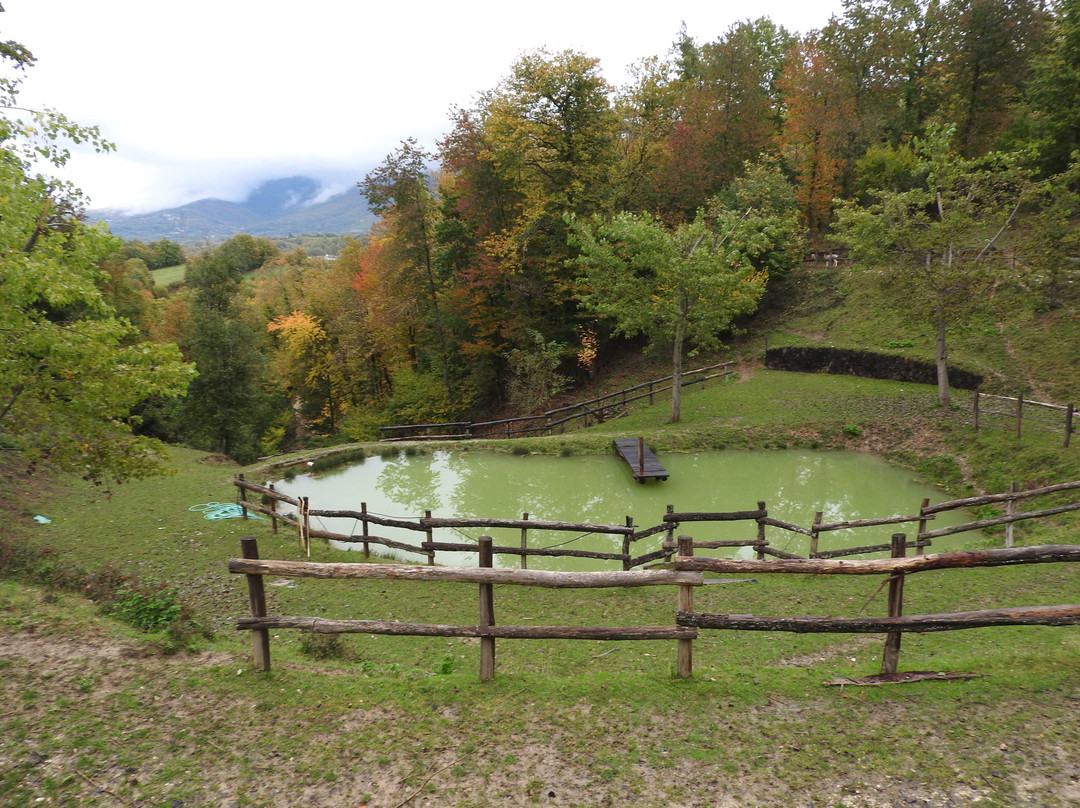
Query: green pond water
point(600, 490)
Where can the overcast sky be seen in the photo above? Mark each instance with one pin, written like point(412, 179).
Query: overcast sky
point(210, 97)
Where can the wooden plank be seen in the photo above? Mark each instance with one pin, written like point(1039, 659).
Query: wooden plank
point(644, 464)
point(469, 575)
point(322, 625)
point(1035, 554)
point(1064, 615)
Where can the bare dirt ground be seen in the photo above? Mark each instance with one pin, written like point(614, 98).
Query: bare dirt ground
point(532, 764)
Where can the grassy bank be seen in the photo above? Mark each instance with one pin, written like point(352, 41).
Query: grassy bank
point(100, 717)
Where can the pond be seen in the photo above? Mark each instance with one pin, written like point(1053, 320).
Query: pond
point(600, 490)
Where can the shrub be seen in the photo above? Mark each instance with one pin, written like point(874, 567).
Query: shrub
point(149, 607)
point(323, 646)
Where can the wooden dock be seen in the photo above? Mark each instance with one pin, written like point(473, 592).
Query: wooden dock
point(643, 463)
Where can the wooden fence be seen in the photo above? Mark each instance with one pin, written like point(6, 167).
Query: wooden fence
point(687, 574)
point(1050, 416)
point(599, 409)
point(668, 526)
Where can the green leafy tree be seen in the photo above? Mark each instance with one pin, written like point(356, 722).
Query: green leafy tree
point(71, 370)
point(229, 405)
point(680, 286)
point(937, 240)
point(1054, 90)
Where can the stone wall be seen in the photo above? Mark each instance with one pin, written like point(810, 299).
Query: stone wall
point(865, 363)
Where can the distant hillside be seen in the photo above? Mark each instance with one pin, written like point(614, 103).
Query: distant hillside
point(281, 207)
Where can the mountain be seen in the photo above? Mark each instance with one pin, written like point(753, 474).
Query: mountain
point(280, 207)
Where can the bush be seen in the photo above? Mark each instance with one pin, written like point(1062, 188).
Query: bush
point(324, 646)
point(148, 607)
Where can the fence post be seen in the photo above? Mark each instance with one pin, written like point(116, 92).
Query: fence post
point(487, 615)
point(430, 538)
point(1010, 509)
point(1019, 413)
point(364, 529)
point(260, 637)
point(976, 411)
point(650, 394)
point(922, 524)
point(243, 499)
point(299, 522)
point(814, 534)
point(1068, 423)
point(307, 526)
point(627, 540)
point(670, 538)
point(273, 509)
point(524, 543)
point(891, 657)
point(684, 668)
point(761, 533)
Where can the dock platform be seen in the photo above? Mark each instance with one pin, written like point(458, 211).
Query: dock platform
point(640, 458)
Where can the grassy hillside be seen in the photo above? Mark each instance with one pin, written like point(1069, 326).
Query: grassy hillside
point(1014, 339)
point(99, 716)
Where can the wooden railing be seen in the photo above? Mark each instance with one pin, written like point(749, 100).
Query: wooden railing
point(1019, 410)
point(599, 409)
point(687, 574)
point(897, 567)
point(669, 524)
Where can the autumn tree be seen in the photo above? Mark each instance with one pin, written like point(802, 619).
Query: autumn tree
point(818, 123)
point(540, 144)
point(729, 111)
point(400, 191)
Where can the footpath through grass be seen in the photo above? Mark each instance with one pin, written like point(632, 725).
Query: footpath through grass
point(98, 716)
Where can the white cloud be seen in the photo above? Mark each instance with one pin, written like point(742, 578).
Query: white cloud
point(208, 97)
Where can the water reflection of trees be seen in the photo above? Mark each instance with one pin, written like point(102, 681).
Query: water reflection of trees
point(600, 490)
point(418, 483)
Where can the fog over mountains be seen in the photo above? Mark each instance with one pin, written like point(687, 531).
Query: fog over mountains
point(281, 207)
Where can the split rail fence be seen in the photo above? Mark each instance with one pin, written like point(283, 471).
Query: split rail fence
point(301, 520)
point(599, 409)
point(684, 570)
point(1051, 417)
point(688, 573)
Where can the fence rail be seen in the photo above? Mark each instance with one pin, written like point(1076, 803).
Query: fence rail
point(630, 535)
point(601, 408)
point(687, 574)
point(1017, 409)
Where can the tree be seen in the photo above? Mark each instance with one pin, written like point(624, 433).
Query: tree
point(228, 407)
point(1054, 91)
point(540, 144)
point(673, 286)
point(728, 112)
point(399, 191)
point(985, 60)
point(71, 370)
point(818, 125)
point(938, 239)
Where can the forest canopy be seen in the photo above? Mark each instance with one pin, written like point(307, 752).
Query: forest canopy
point(561, 217)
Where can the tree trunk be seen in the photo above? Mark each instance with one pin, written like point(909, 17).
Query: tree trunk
point(676, 373)
point(941, 360)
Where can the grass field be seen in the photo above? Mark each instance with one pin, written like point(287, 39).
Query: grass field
point(167, 276)
point(101, 714)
